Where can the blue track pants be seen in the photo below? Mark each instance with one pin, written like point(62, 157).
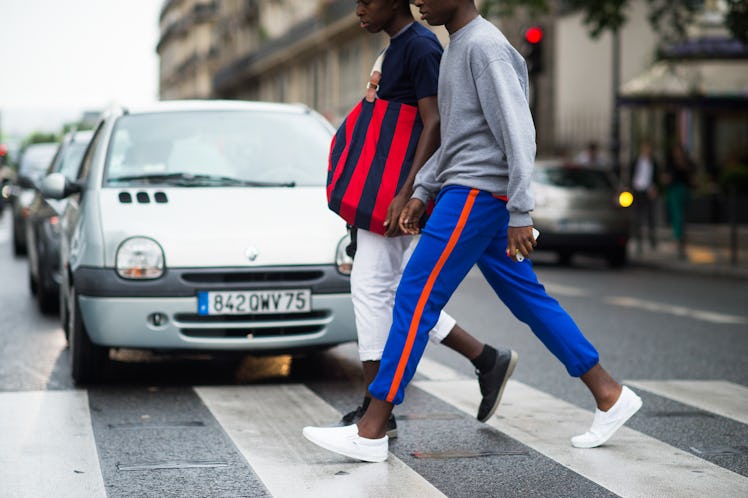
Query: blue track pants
point(469, 226)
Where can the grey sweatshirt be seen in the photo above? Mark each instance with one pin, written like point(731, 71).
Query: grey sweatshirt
point(487, 132)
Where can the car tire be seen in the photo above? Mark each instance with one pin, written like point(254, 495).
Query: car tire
point(63, 304)
point(33, 287)
point(87, 360)
point(18, 248)
point(47, 299)
point(618, 257)
point(564, 258)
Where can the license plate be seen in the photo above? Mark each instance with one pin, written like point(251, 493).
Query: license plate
point(254, 302)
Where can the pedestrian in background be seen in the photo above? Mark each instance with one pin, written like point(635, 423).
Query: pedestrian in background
point(591, 156)
point(481, 176)
point(409, 75)
point(644, 175)
point(678, 179)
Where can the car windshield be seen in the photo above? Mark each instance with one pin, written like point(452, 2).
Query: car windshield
point(572, 177)
point(36, 159)
point(219, 148)
point(71, 159)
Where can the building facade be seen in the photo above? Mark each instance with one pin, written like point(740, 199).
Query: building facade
point(314, 52)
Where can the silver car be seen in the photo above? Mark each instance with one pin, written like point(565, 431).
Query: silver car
point(202, 225)
point(578, 209)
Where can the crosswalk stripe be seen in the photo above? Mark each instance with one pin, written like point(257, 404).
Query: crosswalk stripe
point(706, 316)
point(625, 465)
point(716, 396)
point(47, 446)
point(265, 423)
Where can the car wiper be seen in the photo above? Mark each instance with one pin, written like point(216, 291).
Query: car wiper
point(190, 180)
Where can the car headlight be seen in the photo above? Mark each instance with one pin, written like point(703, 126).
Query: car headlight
point(140, 258)
point(343, 261)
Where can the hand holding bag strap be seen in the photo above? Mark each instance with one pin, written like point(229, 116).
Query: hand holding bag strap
point(374, 78)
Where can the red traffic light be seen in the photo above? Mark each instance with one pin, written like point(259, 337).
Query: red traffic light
point(534, 35)
point(3, 150)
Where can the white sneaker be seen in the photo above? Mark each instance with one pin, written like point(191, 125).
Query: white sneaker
point(346, 441)
point(605, 424)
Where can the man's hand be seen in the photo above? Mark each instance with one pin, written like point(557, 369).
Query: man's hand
point(410, 217)
point(519, 241)
point(391, 222)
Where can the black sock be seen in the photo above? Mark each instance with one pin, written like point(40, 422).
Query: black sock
point(485, 360)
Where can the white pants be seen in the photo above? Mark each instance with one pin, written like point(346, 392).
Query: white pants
point(377, 268)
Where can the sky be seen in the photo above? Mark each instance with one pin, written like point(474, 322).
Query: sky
point(59, 58)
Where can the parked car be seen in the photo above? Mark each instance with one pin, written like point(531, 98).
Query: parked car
point(43, 224)
point(34, 161)
point(577, 210)
point(202, 225)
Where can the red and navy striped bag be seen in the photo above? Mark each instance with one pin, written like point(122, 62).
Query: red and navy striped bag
point(370, 157)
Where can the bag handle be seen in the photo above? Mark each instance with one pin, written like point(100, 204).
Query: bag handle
point(372, 87)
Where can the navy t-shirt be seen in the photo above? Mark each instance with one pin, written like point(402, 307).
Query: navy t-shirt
point(411, 66)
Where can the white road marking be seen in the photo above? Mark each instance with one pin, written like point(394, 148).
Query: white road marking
point(564, 290)
point(707, 316)
point(625, 465)
point(716, 396)
point(265, 423)
point(47, 447)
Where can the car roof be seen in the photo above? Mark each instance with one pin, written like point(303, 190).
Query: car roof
point(215, 105)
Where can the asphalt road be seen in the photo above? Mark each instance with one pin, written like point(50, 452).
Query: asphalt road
point(230, 426)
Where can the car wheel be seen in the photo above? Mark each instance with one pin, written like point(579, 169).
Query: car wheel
point(18, 248)
point(87, 360)
point(564, 258)
point(33, 287)
point(46, 298)
point(617, 257)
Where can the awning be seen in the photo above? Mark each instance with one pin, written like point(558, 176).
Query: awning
point(697, 83)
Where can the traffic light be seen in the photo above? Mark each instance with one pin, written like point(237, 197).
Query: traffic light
point(532, 49)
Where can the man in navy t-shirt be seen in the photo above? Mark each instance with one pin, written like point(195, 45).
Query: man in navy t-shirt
point(410, 74)
point(411, 66)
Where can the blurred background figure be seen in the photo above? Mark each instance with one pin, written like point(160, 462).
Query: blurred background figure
point(591, 156)
point(644, 174)
point(678, 179)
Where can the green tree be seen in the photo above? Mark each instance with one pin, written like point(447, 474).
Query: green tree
point(77, 126)
point(39, 137)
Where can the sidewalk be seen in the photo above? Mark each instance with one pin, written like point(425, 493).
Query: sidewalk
point(708, 252)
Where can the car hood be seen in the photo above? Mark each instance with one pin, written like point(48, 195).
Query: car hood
point(225, 227)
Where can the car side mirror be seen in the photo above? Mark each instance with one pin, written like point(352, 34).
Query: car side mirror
point(57, 186)
point(25, 181)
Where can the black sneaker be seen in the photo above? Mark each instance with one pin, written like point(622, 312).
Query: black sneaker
point(492, 382)
point(353, 417)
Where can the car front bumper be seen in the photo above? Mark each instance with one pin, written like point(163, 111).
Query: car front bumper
point(127, 322)
point(162, 314)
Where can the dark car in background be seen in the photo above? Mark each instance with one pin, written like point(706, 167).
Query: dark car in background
point(578, 209)
point(34, 162)
point(43, 224)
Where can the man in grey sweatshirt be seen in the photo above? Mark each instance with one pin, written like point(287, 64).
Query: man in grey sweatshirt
point(480, 177)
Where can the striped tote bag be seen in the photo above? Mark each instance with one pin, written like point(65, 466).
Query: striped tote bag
point(370, 157)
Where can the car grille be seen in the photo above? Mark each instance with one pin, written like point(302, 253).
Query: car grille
point(271, 317)
point(240, 326)
point(238, 277)
point(234, 333)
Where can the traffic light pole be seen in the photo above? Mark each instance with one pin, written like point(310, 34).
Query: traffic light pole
point(615, 118)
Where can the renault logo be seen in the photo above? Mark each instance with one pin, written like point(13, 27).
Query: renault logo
point(252, 253)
